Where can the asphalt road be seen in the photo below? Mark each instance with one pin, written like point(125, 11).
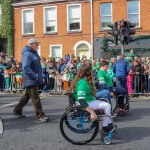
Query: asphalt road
point(30, 134)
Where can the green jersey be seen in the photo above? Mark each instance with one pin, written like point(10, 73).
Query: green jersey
point(97, 66)
point(71, 76)
point(43, 65)
point(131, 55)
point(104, 78)
point(94, 68)
point(78, 65)
point(110, 73)
point(83, 91)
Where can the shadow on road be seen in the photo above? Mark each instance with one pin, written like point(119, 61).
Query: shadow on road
point(125, 135)
point(130, 134)
point(134, 114)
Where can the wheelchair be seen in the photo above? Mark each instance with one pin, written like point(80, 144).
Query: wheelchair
point(1, 128)
point(120, 94)
point(119, 101)
point(77, 127)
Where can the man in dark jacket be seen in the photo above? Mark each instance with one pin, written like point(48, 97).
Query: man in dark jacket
point(32, 78)
point(121, 68)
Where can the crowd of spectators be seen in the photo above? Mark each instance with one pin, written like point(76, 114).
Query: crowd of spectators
point(57, 75)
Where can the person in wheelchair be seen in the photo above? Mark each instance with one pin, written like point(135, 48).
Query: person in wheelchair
point(105, 82)
point(84, 94)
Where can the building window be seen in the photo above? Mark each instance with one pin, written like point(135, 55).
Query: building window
point(0, 14)
point(56, 51)
point(74, 17)
point(50, 20)
point(28, 21)
point(133, 12)
point(105, 15)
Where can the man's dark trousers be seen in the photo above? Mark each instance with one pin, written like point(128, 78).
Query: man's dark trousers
point(122, 82)
point(31, 92)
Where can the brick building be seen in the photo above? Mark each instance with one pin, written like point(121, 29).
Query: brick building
point(77, 26)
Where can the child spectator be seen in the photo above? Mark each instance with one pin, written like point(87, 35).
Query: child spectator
point(66, 79)
point(7, 79)
point(59, 81)
point(51, 72)
point(73, 71)
point(130, 81)
point(13, 70)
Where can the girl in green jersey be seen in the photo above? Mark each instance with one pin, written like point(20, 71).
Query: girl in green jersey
point(84, 93)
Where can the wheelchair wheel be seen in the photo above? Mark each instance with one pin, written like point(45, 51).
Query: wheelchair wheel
point(77, 127)
point(127, 103)
point(121, 111)
point(1, 128)
point(67, 108)
point(114, 103)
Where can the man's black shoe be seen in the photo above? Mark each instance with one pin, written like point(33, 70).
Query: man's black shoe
point(18, 115)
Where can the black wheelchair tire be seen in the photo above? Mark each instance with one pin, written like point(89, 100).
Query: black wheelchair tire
point(1, 134)
point(116, 103)
point(67, 108)
point(69, 139)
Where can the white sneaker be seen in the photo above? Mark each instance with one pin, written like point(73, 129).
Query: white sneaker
point(43, 119)
point(42, 94)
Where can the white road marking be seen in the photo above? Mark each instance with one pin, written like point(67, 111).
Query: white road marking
point(7, 105)
point(12, 104)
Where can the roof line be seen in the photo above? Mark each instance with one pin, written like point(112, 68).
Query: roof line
point(43, 2)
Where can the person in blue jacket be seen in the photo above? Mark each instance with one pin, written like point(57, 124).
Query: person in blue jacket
point(121, 69)
point(32, 78)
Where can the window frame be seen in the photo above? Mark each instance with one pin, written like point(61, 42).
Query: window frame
point(106, 28)
point(68, 24)
point(59, 45)
point(134, 13)
point(44, 23)
point(23, 10)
